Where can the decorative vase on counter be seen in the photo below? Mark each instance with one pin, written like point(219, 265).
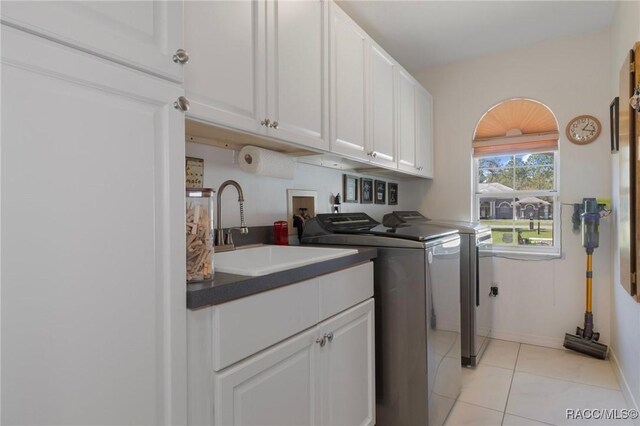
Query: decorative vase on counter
point(199, 234)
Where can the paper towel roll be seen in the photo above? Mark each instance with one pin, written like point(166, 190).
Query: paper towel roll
point(266, 163)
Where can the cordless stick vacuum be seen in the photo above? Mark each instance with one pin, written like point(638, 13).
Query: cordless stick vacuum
point(586, 340)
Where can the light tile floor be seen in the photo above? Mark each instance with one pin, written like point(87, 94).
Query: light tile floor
point(518, 384)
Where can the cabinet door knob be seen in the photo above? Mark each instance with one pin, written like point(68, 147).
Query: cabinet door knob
point(322, 340)
point(182, 104)
point(181, 57)
point(266, 122)
point(370, 153)
point(274, 125)
point(374, 154)
point(329, 337)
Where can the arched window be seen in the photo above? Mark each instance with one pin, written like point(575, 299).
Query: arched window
point(515, 150)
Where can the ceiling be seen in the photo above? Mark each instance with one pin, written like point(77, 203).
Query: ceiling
point(420, 34)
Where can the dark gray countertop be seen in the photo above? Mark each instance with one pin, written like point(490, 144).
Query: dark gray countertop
point(226, 287)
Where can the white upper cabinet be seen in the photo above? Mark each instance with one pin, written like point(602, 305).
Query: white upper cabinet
point(349, 46)
point(305, 73)
point(297, 86)
point(225, 77)
point(141, 34)
point(382, 148)
point(260, 66)
point(406, 122)
point(424, 132)
point(93, 210)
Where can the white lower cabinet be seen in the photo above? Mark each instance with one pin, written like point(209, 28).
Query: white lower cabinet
point(302, 354)
point(323, 376)
point(347, 368)
point(276, 387)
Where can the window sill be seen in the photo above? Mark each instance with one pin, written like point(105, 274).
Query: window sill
point(525, 255)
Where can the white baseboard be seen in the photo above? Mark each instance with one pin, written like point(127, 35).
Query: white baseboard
point(626, 391)
point(531, 339)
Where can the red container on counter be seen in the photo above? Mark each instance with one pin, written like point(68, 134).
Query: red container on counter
point(281, 233)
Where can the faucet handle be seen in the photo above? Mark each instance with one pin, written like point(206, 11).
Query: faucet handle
point(228, 240)
point(229, 237)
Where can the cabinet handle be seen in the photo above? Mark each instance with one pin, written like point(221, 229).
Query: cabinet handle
point(266, 122)
point(181, 57)
point(420, 168)
point(322, 340)
point(182, 104)
point(329, 337)
point(374, 154)
point(274, 125)
point(370, 153)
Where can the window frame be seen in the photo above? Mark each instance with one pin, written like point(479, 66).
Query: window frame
point(537, 251)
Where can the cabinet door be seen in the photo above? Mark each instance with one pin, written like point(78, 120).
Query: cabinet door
point(297, 89)
point(348, 59)
point(406, 122)
point(140, 34)
point(93, 297)
point(424, 132)
point(275, 387)
point(383, 131)
point(347, 368)
point(225, 75)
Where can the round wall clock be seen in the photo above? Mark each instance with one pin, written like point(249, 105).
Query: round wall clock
point(583, 129)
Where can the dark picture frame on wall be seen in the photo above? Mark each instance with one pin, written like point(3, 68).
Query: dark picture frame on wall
point(380, 192)
point(350, 189)
point(392, 189)
point(366, 191)
point(614, 124)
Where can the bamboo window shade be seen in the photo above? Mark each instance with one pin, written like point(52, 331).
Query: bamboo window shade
point(516, 125)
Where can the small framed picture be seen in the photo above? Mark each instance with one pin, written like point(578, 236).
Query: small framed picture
point(350, 188)
point(381, 192)
point(366, 190)
point(393, 193)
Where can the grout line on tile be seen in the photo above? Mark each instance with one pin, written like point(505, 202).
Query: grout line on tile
point(489, 365)
point(571, 381)
point(480, 406)
point(527, 418)
point(513, 373)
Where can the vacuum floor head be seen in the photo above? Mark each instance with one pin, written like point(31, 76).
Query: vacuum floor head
point(585, 346)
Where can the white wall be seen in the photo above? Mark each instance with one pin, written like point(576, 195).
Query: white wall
point(625, 312)
point(539, 300)
point(266, 197)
